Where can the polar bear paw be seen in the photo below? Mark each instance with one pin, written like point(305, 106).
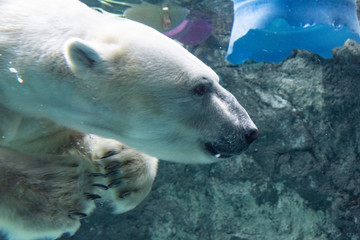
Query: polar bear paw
point(126, 174)
point(56, 191)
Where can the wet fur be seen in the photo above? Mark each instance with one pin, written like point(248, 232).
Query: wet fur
point(38, 192)
point(46, 195)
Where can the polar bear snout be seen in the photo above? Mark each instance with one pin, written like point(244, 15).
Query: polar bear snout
point(234, 130)
point(232, 144)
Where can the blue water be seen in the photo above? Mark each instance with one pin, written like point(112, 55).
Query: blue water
point(301, 178)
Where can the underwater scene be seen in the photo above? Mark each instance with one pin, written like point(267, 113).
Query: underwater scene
point(294, 66)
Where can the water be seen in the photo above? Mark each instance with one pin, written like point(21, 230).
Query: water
point(299, 180)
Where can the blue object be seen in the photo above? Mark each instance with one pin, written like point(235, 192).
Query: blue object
point(268, 30)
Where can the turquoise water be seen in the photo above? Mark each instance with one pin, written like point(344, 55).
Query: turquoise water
point(299, 180)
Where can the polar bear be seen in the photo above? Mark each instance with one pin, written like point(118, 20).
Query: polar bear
point(86, 101)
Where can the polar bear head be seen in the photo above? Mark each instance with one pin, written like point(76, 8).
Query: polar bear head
point(155, 96)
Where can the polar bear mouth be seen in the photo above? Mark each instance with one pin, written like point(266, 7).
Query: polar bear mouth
point(216, 153)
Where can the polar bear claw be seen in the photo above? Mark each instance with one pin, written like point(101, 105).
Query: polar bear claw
point(126, 174)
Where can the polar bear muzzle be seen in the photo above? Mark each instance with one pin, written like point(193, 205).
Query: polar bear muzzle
point(226, 149)
point(234, 130)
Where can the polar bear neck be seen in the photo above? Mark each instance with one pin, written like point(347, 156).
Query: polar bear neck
point(31, 134)
point(23, 76)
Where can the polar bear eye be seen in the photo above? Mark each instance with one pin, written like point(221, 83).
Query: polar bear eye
point(200, 90)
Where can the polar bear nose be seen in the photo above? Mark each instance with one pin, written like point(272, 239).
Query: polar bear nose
point(232, 144)
point(251, 135)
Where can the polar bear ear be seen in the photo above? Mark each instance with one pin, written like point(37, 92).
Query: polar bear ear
point(81, 58)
